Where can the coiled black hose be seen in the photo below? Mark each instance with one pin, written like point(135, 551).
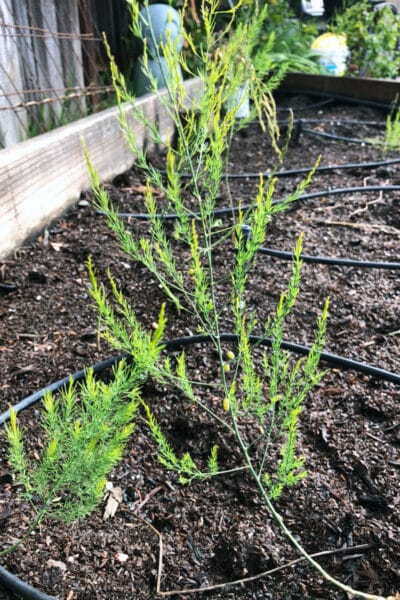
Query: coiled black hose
point(328, 260)
point(302, 170)
point(56, 385)
point(346, 262)
point(22, 589)
point(26, 591)
point(235, 209)
point(331, 359)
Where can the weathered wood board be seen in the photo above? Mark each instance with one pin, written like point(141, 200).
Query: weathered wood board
point(41, 177)
point(380, 91)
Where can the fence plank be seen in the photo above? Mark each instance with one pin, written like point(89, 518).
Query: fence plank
point(41, 177)
point(34, 57)
point(12, 122)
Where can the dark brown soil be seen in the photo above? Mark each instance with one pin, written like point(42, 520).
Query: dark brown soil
point(219, 531)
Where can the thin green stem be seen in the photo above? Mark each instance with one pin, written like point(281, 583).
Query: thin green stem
point(36, 521)
point(227, 471)
point(279, 520)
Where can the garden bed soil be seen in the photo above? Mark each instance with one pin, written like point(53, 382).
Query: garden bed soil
point(219, 531)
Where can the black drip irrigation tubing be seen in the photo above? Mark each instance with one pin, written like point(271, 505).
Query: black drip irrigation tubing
point(312, 106)
point(22, 589)
point(328, 260)
point(332, 360)
point(281, 254)
point(334, 136)
point(333, 121)
point(28, 592)
point(53, 387)
point(235, 209)
point(342, 98)
point(302, 170)
point(336, 191)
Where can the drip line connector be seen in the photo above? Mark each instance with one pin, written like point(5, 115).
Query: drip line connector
point(297, 131)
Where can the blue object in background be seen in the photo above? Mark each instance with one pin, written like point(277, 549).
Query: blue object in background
point(159, 23)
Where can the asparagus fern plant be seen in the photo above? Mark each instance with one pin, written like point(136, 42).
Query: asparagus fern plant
point(267, 392)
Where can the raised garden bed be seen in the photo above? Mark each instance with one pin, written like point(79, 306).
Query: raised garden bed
point(218, 531)
point(366, 89)
point(41, 177)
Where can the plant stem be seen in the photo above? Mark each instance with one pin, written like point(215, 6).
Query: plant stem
point(278, 518)
point(33, 525)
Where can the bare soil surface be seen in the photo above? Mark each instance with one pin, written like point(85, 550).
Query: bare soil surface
point(219, 531)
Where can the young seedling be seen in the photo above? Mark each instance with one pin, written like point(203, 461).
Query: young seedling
point(86, 427)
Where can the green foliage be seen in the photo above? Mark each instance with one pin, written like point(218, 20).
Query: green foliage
point(184, 466)
point(372, 38)
point(86, 429)
point(85, 432)
point(260, 395)
point(269, 395)
point(392, 135)
point(288, 390)
point(390, 141)
point(121, 328)
point(286, 40)
point(283, 42)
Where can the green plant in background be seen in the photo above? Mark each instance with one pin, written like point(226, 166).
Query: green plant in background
point(390, 141)
point(260, 394)
point(392, 134)
point(372, 38)
point(282, 38)
point(45, 117)
point(287, 40)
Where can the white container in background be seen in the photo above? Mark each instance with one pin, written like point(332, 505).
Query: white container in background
point(333, 52)
point(240, 98)
point(315, 8)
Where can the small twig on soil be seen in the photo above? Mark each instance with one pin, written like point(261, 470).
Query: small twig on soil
point(254, 577)
point(367, 205)
point(373, 437)
point(366, 226)
point(160, 549)
point(147, 498)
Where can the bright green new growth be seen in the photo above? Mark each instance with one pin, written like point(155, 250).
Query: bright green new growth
point(260, 404)
point(86, 428)
point(85, 432)
point(392, 135)
point(260, 395)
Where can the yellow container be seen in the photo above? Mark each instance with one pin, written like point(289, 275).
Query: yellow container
point(333, 52)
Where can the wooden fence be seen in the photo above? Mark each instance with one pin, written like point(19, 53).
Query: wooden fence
point(40, 53)
point(51, 62)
